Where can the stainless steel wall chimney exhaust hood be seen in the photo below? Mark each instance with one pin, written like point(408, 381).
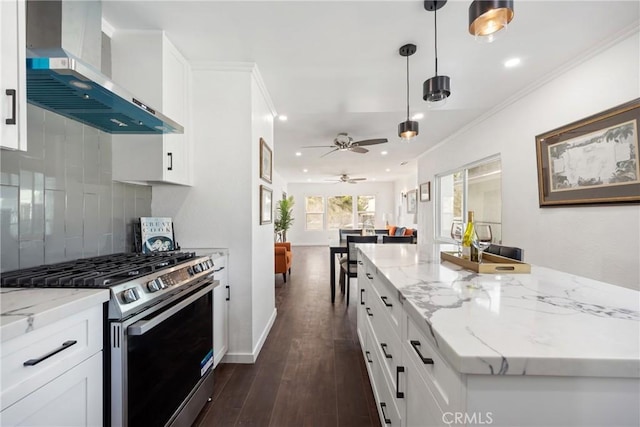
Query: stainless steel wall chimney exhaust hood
point(63, 50)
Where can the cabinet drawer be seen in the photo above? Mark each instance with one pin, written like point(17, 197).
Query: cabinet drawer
point(387, 342)
point(422, 407)
point(82, 334)
point(389, 301)
point(443, 381)
point(385, 398)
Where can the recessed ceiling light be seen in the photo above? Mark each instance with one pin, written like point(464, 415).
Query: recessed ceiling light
point(513, 62)
point(388, 170)
point(282, 118)
point(373, 179)
point(417, 116)
point(308, 179)
point(305, 170)
point(384, 153)
point(298, 153)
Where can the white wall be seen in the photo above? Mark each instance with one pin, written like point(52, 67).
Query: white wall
point(599, 242)
point(299, 236)
point(221, 209)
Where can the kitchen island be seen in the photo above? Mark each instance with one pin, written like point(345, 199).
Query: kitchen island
point(546, 348)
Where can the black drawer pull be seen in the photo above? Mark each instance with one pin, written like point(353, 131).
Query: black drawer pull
point(170, 167)
point(361, 295)
point(368, 358)
point(399, 394)
point(384, 351)
point(369, 312)
point(12, 94)
point(426, 360)
point(387, 303)
point(228, 293)
point(382, 407)
point(65, 345)
point(369, 276)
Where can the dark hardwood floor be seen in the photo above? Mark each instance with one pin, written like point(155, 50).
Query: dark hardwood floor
point(310, 371)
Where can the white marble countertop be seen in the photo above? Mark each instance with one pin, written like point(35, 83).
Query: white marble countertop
point(544, 323)
point(23, 310)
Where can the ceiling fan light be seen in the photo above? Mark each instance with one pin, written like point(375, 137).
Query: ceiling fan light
point(408, 129)
point(436, 90)
point(488, 18)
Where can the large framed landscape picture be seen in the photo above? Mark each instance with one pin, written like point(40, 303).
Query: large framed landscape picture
point(591, 161)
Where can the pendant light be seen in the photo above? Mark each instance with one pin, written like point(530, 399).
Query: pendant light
point(409, 128)
point(437, 89)
point(488, 18)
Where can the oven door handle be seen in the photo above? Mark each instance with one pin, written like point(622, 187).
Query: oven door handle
point(141, 327)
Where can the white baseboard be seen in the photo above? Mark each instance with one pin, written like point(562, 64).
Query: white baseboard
point(253, 356)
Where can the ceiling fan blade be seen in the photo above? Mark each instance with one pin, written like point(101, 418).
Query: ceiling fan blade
point(318, 146)
point(329, 152)
point(358, 179)
point(357, 149)
point(371, 142)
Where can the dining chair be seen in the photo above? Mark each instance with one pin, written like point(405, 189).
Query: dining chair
point(344, 232)
point(397, 239)
point(349, 269)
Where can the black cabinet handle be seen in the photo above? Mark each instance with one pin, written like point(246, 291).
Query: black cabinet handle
point(12, 94)
point(387, 303)
point(399, 394)
point(65, 345)
point(361, 295)
point(369, 276)
point(369, 312)
point(170, 168)
point(384, 415)
point(228, 292)
point(426, 360)
point(384, 351)
point(368, 358)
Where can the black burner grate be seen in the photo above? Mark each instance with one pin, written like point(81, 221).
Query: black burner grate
point(95, 272)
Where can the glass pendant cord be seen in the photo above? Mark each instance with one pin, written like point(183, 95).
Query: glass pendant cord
point(407, 87)
point(435, 26)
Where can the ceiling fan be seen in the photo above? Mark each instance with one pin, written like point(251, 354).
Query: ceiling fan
point(345, 178)
point(343, 142)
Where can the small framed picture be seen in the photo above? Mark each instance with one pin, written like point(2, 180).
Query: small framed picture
point(425, 191)
point(266, 205)
point(412, 197)
point(266, 161)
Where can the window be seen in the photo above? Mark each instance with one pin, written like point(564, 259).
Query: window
point(314, 212)
point(476, 187)
point(339, 212)
point(366, 210)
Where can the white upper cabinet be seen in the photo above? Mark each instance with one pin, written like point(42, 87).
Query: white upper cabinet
point(148, 65)
point(13, 108)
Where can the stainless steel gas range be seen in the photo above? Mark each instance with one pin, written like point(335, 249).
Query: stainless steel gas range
point(158, 331)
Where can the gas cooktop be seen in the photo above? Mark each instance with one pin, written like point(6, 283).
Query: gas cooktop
point(96, 272)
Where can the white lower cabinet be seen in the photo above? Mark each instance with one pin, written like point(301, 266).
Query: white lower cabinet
point(221, 297)
point(52, 375)
point(72, 399)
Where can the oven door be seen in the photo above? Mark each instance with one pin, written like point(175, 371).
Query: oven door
point(159, 358)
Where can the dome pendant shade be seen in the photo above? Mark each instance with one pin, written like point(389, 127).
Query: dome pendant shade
point(436, 89)
point(486, 18)
point(408, 129)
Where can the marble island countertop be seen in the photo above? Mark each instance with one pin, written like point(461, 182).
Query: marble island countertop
point(544, 323)
point(25, 309)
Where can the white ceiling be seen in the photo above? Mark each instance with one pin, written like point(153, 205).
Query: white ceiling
point(334, 66)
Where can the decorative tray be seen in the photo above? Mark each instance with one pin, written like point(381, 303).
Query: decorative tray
point(490, 263)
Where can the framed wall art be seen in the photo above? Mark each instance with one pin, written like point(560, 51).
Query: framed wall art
point(266, 205)
point(266, 161)
point(425, 191)
point(412, 198)
point(591, 161)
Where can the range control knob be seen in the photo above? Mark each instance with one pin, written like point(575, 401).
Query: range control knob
point(130, 295)
point(161, 283)
point(153, 286)
point(197, 268)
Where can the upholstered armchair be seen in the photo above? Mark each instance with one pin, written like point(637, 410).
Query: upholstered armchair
point(282, 258)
